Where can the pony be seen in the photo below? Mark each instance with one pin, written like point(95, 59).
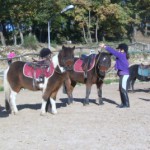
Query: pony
point(100, 64)
point(22, 75)
point(140, 72)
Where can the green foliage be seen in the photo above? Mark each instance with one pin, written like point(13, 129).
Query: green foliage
point(1, 88)
point(30, 41)
point(109, 81)
point(87, 22)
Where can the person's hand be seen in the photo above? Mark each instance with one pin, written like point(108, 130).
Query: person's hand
point(102, 45)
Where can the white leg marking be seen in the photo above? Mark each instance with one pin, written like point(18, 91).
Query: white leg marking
point(43, 107)
point(13, 102)
point(53, 103)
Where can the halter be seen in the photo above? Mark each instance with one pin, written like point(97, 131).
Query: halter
point(66, 62)
point(96, 64)
point(62, 64)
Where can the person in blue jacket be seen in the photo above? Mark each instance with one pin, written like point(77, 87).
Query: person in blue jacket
point(122, 67)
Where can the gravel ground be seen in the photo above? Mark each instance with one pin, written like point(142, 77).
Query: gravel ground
point(78, 127)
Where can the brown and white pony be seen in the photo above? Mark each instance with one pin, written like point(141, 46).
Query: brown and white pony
point(100, 64)
point(15, 79)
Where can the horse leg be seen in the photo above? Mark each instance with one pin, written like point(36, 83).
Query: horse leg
point(7, 91)
point(69, 89)
point(132, 84)
point(99, 92)
point(48, 104)
point(53, 104)
point(88, 91)
point(14, 109)
point(7, 100)
point(43, 107)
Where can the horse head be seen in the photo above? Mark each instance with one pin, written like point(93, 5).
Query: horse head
point(103, 63)
point(66, 57)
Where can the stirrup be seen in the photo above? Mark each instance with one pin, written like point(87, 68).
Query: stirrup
point(40, 80)
point(85, 75)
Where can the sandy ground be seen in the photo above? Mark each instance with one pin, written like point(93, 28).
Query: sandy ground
point(78, 127)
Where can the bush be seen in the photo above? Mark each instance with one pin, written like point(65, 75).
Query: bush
point(30, 41)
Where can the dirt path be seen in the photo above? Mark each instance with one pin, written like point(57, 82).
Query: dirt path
point(76, 127)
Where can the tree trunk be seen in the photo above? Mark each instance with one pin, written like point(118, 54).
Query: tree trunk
point(21, 37)
point(21, 34)
point(2, 38)
point(84, 35)
point(89, 26)
point(15, 39)
point(96, 28)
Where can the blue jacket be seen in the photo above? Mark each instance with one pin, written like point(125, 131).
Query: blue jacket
point(122, 64)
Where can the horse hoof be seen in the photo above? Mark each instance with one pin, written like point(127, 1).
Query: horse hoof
point(14, 112)
point(43, 113)
point(101, 103)
point(69, 103)
point(85, 104)
point(54, 112)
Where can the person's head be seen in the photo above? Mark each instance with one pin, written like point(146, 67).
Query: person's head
point(123, 48)
point(45, 52)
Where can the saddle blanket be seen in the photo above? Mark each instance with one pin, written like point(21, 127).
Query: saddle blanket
point(144, 71)
point(31, 72)
point(78, 65)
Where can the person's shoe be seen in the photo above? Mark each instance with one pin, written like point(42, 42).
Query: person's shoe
point(123, 106)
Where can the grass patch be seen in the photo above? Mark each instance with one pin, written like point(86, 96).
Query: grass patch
point(1, 88)
point(109, 81)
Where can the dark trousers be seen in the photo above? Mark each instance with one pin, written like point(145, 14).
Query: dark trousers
point(123, 80)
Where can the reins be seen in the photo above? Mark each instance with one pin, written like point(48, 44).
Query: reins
point(96, 66)
point(110, 69)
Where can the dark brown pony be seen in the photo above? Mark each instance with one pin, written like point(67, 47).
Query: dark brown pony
point(140, 72)
point(15, 80)
point(95, 75)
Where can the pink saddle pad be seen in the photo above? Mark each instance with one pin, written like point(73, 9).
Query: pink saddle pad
point(29, 71)
point(78, 65)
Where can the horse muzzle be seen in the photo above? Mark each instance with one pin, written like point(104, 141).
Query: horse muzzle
point(69, 64)
point(103, 69)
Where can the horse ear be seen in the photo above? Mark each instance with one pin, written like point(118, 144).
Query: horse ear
point(73, 48)
point(63, 47)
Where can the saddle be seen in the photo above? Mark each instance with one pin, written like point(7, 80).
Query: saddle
point(84, 64)
point(39, 64)
point(144, 70)
point(145, 66)
point(38, 70)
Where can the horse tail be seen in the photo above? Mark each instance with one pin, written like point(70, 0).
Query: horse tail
point(7, 90)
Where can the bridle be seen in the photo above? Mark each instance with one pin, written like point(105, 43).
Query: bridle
point(97, 68)
point(68, 62)
point(65, 62)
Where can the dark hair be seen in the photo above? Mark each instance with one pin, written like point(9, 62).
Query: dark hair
point(45, 52)
point(125, 48)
